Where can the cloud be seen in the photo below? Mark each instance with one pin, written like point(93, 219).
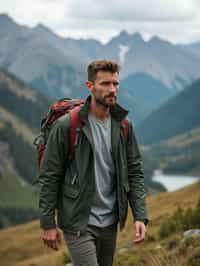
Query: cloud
point(31, 12)
point(126, 10)
point(102, 19)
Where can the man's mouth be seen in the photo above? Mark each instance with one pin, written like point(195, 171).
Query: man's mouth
point(111, 96)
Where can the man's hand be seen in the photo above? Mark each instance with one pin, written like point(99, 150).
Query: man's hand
point(140, 232)
point(51, 238)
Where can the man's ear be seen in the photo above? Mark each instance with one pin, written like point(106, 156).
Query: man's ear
point(89, 85)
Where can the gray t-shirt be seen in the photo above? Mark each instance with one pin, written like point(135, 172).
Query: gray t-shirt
point(103, 211)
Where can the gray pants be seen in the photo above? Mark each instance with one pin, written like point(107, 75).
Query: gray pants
point(95, 247)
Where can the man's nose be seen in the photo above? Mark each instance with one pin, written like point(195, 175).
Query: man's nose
point(112, 87)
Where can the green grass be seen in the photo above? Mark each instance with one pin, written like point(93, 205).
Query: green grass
point(14, 194)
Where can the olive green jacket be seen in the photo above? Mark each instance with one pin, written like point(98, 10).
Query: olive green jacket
point(67, 186)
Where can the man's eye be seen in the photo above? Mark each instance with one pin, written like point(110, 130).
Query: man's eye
point(109, 83)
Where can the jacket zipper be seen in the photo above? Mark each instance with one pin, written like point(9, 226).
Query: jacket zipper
point(74, 179)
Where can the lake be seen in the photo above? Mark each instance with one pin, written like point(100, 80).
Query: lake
point(174, 182)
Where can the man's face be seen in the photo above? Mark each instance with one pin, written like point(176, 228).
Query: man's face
point(105, 88)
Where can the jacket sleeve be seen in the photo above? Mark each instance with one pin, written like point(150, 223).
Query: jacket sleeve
point(137, 192)
point(52, 171)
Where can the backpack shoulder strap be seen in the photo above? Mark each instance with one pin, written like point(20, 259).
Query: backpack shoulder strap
point(124, 124)
point(75, 126)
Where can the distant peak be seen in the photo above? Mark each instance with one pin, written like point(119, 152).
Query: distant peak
point(5, 18)
point(43, 30)
point(126, 38)
point(41, 27)
point(123, 36)
point(137, 36)
point(123, 33)
point(4, 15)
point(155, 39)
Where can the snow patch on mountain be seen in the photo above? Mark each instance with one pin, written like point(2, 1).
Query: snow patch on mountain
point(123, 49)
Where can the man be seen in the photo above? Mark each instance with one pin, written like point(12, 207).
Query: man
point(91, 191)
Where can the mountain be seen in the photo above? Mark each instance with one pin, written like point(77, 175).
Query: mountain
point(41, 58)
point(18, 200)
point(8, 24)
point(162, 60)
point(21, 109)
point(178, 115)
point(178, 155)
point(57, 66)
point(20, 99)
point(141, 94)
point(193, 48)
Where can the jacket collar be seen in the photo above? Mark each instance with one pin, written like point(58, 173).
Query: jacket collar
point(117, 112)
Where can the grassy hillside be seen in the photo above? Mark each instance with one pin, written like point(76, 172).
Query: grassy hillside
point(18, 251)
point(19, 98)
point(177, 155)
point(21, 109)
point(19, 138)
point(15, 191)
point(18, 201)
point(178, 115)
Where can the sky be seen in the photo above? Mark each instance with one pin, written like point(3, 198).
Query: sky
point(175, 20)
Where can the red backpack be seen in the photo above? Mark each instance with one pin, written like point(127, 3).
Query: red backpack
point(58, 109)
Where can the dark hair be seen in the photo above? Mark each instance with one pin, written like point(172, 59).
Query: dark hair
point(101, 65)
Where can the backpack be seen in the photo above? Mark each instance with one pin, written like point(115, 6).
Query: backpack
point(58, 109)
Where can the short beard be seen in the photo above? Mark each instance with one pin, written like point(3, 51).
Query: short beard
point(102, 102)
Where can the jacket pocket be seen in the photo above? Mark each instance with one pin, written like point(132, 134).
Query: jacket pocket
point(71, 185)
point(71, 191)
